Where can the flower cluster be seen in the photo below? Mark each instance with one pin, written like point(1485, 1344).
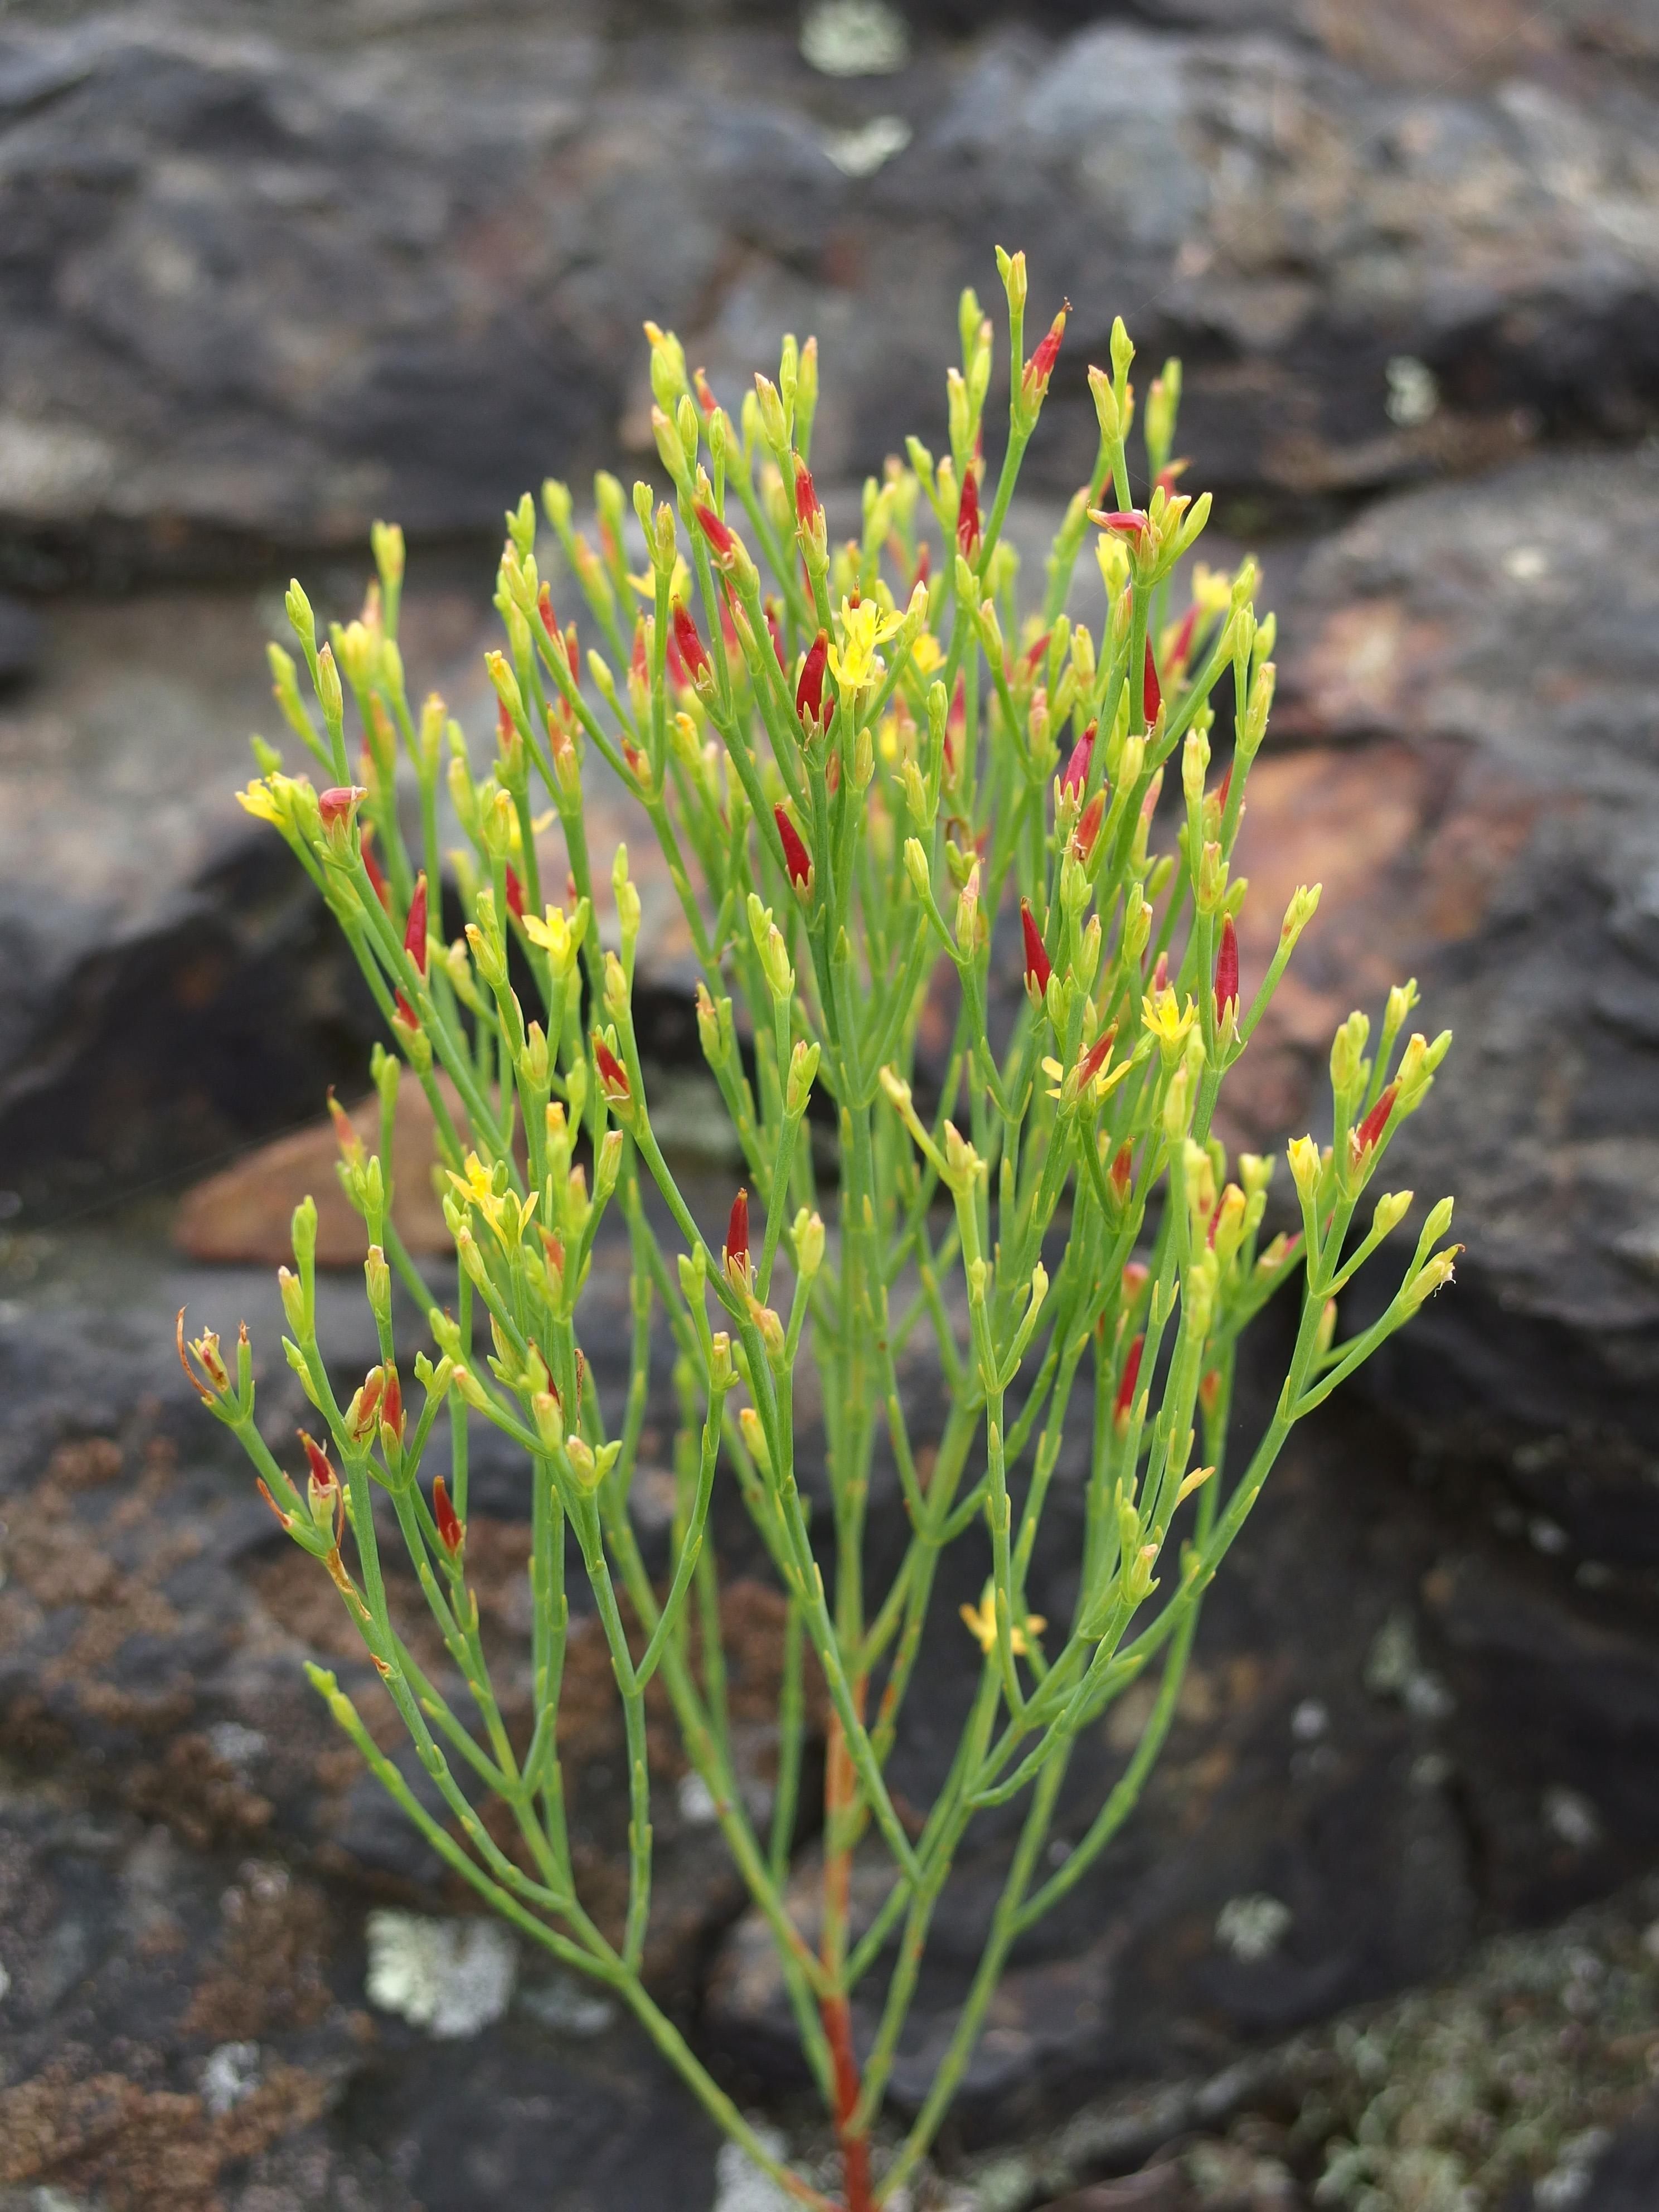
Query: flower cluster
point(877, 787)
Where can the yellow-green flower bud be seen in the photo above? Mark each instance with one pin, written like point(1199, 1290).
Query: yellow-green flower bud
point(808, 1238)
point(377, 1282)
point(1304, 1155)
point(754, 1436)
point(803, 1070)
point(607, 1166)
point(294, 1302)
point(329, 696)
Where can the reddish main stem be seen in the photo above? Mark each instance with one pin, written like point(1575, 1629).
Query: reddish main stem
point(840, 1786)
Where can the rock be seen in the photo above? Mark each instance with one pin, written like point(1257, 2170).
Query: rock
point(20, 641)
point(1488, 656)
point(269, 284)
point(245, 1212)
point(185, 2030)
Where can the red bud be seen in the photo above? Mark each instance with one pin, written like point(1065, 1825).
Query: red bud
point(1038, 966)
point(1034, 653)
point(706, 399)
point(1125, 522)
point(515, 893)
point(1153, 698)
point(339, 802)
point(809, 691)
point(451, 1534)
point(1182, 642)
point(506, 728)
point(1122, 1170)
point(1226, 969)
point(1161, 973)
point(967, 515)
point(415, 928)
point(775, 629)
point(693, 652)
point(796, 857)
point(403, 1012)
point(544, 609)
point(1223, 788)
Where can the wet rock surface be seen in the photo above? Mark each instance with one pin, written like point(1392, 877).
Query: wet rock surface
point(263, 282)
point(269, 280)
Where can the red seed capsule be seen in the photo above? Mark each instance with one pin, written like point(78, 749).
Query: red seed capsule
point(1041, 366)
point(317, 1458)
point(693, 653)
point(719, 538)
point(451, 1534)
point(378, 883)
point(1226, 969)
point(1075, 778)
point(391, 1402)
point(1126, 1389)
point(967, 515)
point(339, 802)
point(1088, 827)
point(1371, 1129)
point(613, 1076)
point(1124, 522)
point(807, 497)
point(1152, 697)
point(796, 857)
point(1038, 966)
point(402, 1013)
point(1121, 1174)
point(514, 890)
point(809, 691)
point(544, 609)
point(1094, 1059)
point(735, 1257)
point(415, 928)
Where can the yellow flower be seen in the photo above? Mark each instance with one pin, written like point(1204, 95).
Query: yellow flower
point(854, 663)
point(1168, 1023)
point(555, 938)
point(981, 1622)
point(267, 798)
point(1212, 591)
point(927, 653)
point(506, 1216)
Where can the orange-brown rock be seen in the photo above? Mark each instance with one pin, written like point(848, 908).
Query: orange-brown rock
point(242, 1214)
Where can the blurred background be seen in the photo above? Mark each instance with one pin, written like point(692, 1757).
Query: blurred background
point(1389, 1916)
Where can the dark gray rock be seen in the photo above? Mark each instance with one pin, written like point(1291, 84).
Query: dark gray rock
point(1493, 649)
point(266, 283)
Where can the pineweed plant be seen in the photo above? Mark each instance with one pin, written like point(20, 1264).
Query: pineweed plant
point(877, 785)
